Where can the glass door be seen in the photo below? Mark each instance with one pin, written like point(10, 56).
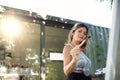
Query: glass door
point(20, 40)
point(54, 42)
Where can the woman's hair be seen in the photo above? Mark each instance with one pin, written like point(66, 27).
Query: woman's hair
point(73, 29)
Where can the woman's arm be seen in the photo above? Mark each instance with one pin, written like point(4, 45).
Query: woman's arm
point(68, 61)
point(70, 56)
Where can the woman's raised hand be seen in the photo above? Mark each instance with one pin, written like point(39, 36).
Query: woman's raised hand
point(75, 51)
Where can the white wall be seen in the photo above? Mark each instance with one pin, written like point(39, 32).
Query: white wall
point(113, 58)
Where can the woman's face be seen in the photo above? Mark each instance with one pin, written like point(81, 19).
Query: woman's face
point(80, 34)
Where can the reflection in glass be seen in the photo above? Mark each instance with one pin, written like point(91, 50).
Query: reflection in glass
point(21, 41)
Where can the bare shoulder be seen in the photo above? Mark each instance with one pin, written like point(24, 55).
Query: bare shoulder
point(66, 49)
point(66, 54)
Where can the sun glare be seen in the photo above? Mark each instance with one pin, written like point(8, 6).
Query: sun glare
point(11, 27)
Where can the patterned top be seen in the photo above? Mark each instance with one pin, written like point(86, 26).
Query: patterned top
point(83, 63)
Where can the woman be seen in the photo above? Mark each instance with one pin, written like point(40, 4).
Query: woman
point(76, 64)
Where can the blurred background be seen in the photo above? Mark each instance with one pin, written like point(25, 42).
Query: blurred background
point(32, 36)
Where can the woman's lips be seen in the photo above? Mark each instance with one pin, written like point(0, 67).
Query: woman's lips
point(81, 37)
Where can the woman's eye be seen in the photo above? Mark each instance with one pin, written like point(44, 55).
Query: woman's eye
point(85, 33)
point(80, 31)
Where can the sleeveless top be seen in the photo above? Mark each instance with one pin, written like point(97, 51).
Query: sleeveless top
point(83, 63)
